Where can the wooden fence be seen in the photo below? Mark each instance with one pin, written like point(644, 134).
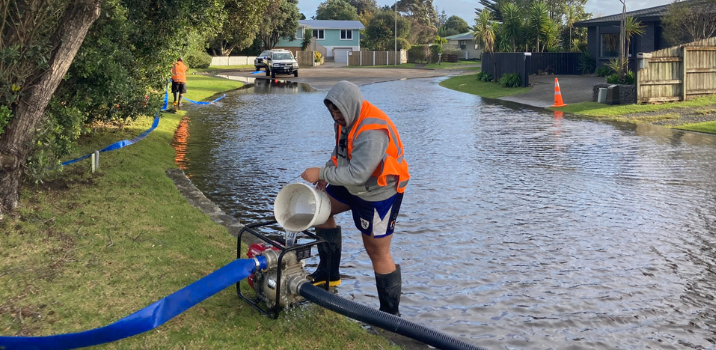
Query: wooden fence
point(375, 58)
point(678, 73)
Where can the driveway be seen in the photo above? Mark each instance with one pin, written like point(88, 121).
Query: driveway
point(574, 88)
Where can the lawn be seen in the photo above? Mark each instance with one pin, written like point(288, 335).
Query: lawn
point(649, 113)
point(214, 69)
point(594, 109)
point(708, 127)
point(470, 84)
point(87, 249)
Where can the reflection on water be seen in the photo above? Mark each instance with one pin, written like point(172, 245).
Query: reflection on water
point(181, 136)
point(519, 229)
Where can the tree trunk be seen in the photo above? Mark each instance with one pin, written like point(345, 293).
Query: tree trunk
point(16, 142)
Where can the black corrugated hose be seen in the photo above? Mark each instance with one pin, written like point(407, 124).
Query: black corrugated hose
point(381, 319)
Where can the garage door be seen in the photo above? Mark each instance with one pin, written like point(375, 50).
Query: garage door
point(341, 55)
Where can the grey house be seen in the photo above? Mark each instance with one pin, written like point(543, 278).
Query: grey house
point(603, 35)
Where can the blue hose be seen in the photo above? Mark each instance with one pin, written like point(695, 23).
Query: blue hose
point(146, 319)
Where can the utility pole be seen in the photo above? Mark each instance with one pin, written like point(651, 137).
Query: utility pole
point(395, 33)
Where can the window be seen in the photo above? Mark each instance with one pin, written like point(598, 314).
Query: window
point(609, 45)
point(299, 33)
point(346, 34)
point(462, 45)
point(318, 34)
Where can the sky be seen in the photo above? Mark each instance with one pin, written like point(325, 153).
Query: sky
point(466, 9)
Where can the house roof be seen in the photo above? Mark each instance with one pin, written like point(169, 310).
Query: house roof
point(652, 13)
point(330, 24)
point(463, 36)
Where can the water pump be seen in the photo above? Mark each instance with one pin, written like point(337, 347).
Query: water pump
point(276, 285)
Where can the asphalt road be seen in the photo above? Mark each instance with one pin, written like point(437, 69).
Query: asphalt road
point(574, 88)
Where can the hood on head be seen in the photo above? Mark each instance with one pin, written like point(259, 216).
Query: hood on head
point(347, 97)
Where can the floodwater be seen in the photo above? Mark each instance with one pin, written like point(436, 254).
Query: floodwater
point(518, 230)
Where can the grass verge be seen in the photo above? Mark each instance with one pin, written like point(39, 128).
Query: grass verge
point(470, 84)
point(594, 109)
point(87, 249)
point(223, 68)
point(675, 115)
point(707, 127)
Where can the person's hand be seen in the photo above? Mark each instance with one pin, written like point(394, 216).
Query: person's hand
point(321, 185)
point(311, 175)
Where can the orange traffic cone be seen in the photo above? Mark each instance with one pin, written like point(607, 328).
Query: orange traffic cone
point(557, 95)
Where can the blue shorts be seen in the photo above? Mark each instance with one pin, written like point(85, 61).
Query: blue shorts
point(375, 219)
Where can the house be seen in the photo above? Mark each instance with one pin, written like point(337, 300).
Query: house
point(465, 42)
point(334, 39)
point(603, 35)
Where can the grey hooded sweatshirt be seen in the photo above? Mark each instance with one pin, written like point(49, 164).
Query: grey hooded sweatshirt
point(368, 150)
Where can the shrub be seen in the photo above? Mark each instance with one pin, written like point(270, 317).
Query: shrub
point(198, 60)
point(452, 50)
point(587, 63)
point(434, 51)
point(629, 79)
point(511, 80)
point(604, 71)
point(418, 53)
point(484, 76)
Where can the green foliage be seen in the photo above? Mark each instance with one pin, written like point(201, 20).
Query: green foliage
point(126, 55)
point(688, 21)
point(198, 60)
point(379, 33)
point(457, 24)
point(240, 21)
point(484, 32)
point(587, 64)
point(422, 17)
point(307, 35)
point(540, 23)
point(511, 80)
point(280, 20)
point(55, 139)
point(419, 53)
point(604, 71)
point(336, 10)
point(512, 25)
point(484, 77)
point(25, 48)
point(434, 51)
point(614, 65)
point(629, 79)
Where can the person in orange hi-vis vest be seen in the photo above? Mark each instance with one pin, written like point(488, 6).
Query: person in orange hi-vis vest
point(178, 80)
point(367, 174)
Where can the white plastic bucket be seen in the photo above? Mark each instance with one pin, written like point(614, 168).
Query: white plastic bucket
point(299, 207)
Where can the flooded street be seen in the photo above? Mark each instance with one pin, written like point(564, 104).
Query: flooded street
point(518, 230)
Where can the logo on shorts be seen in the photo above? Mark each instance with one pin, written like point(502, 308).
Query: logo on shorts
point(364, 223)
point(392, 225)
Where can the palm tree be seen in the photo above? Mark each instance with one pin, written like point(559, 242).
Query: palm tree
point(632, 27)
point(484, 35)
point(539, 18)
point(570, 18)
point(511, 23)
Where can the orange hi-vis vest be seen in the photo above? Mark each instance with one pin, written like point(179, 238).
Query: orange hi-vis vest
point(179, 72)
point(372, 118)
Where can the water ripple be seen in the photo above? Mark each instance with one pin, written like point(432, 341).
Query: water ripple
point(518, 230)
